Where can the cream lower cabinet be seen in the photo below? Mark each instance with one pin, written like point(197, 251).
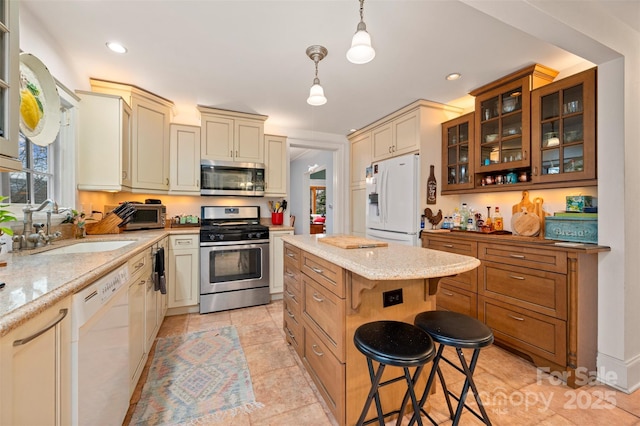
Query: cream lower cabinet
point(276, 260)
point(275, 159)
point(140, 269)
point(184, 270)
point(35, 370)
point(184, 157)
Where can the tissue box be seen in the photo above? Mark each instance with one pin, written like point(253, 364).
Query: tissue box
point(582, 203)
point(574, 229)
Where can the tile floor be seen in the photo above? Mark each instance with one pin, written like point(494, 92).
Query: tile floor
point(513, 391)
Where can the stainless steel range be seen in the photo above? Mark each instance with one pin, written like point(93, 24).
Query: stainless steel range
point(234, 258)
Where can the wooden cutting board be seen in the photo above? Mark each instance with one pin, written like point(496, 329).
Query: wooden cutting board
point(526, 224)
point(351, 242)
point(524, 202)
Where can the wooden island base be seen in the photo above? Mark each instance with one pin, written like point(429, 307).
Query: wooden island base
point(324, 303)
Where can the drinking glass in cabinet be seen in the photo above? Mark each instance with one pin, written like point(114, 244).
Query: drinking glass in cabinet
point(489, 109)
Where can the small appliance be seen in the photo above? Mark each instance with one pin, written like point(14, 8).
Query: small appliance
point(231, 178)
point(146, 216)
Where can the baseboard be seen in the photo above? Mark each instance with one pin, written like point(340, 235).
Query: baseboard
point(619, 374)
point(183, 310)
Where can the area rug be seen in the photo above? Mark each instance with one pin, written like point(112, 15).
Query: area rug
point(196, 378)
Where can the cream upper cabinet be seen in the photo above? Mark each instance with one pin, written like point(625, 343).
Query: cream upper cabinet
point(360, 158)
point(35, 370)
point(9, 86)
point(232, 136)
point(150, 119)
point(397, 137)
point(184, 155)
point(104, 135)
point(275, 159)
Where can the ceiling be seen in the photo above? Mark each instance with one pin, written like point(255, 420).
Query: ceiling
point(250, 55)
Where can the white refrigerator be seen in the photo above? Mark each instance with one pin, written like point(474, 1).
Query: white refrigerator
point(392, 200)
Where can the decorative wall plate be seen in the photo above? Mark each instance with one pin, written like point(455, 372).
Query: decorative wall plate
point(39, 101)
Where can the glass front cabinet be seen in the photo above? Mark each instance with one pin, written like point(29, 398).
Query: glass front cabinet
point(457, 153)
point(563, 140)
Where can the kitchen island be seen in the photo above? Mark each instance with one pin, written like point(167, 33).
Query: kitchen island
point(330, 291)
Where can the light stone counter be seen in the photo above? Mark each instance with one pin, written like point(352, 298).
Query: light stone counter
point(34, 282)
point(395, 262)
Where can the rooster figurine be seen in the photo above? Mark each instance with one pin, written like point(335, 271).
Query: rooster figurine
point(434, 220)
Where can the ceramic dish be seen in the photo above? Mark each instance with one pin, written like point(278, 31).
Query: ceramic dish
point(39, 101)
point(491, 137)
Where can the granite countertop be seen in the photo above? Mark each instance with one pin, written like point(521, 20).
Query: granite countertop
point(394, 262)
point(34, 282)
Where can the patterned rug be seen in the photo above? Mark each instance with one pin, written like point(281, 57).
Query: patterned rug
point(197, 378)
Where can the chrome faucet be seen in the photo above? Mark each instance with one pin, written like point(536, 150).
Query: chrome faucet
point(30, 239)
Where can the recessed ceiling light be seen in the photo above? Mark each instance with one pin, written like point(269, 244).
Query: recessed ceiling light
point(116, 47)
point(453, 76)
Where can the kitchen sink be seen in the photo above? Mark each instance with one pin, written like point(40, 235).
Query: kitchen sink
point(89, 247)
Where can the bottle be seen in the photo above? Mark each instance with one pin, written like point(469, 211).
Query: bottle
point(488, 222)
point(422, 222)
point(455, 219)
point(497, 220)
point(432, 187)
point(464, 216)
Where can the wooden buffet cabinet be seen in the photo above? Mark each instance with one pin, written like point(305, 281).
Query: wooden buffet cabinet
point(324, 303)
point(539, 298)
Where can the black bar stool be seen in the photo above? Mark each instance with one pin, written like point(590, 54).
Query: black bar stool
point(397, 344)
point(459, 331)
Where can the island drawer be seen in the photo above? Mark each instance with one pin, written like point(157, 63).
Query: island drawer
point(527, 331)
point(451, 298)
point(328, 373)
point(294, 334)
point(291, 308)
point(539, 291)
point(327, 274)
point(325, 312)
point(529, 257)
point(293, 276)
point(293, 255)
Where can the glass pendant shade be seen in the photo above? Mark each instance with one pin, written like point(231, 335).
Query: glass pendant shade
point(361, 51)
point(316, 94)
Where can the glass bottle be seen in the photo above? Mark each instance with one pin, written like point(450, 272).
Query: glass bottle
point(497, 220)
point(456, 219)
point(464, 216)
point(432, 187)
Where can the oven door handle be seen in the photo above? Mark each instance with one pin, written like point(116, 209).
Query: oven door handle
point(235, 244)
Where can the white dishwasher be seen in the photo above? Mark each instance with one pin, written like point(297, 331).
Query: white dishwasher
point(100, 351)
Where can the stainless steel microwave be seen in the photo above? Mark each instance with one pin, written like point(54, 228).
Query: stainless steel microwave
point(231, 178)
point(146, 216)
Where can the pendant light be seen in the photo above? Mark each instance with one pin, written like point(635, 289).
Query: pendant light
point(361, 51)
point(316, 94)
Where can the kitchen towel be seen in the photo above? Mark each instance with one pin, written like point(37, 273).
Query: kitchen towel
point(159, 279)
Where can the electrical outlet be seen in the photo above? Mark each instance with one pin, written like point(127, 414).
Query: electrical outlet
point(392, 297)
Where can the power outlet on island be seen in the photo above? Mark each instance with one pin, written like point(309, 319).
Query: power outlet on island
point(392, 297)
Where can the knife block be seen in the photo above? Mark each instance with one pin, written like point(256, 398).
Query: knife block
point(108, 225)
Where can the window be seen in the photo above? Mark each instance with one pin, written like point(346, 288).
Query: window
point(34, 183)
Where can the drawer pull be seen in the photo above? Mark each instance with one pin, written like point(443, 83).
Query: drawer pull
point(291, 335)
point(138, 266)
point(61, 315)
point(517, 256)
point(516, 277)
point(447, 293)
point(316, 270)
point(316, 297)
point(516, 318)
point(183, 242)
point(449, 245)
point(291, 295)
point(289, 274)
point(313, 348)
point(291, 254)
point(290, 314)
point(142, 282)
